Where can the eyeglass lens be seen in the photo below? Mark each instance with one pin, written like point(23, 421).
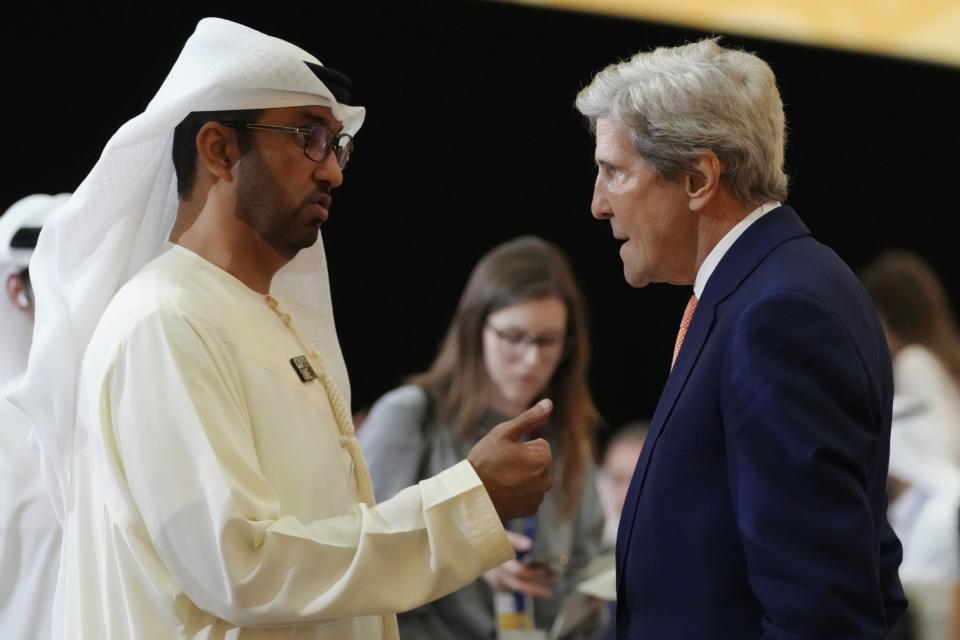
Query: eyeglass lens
point(517, 343)
point(322, 141)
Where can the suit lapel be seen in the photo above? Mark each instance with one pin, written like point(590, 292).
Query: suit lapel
point(747, 252)
point(692, 345)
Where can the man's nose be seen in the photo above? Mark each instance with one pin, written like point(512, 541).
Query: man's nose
point(600, 206)
point(329, 171)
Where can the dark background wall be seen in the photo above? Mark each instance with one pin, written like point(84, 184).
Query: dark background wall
point(471, 139)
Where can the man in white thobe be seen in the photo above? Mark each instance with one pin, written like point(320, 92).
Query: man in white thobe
point(215, 487)
point(29, 531)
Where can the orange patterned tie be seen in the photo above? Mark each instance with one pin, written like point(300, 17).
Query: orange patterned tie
point(684, 325)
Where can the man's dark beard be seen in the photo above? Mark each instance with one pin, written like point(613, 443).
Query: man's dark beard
point(262, 204)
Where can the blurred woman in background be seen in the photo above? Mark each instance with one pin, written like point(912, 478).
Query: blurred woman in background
point(924, 472)
point(924, 341)
point(519, 334)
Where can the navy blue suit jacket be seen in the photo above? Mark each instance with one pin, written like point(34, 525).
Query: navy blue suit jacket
point(758, 506)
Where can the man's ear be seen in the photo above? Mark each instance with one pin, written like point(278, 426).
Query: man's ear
point(217, 150)
point(703, 180)
point(17, 292)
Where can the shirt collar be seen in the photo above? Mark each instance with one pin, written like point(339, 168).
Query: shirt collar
point(716, 254)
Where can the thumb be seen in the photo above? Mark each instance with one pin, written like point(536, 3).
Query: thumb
point(526, 421)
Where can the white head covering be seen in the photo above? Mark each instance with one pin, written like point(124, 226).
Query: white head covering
point(121, 215)
point(16, 327)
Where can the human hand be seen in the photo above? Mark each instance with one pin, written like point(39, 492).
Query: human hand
point(515, 474)
point(514, 575)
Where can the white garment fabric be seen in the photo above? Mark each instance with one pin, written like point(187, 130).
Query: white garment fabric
point(16, 326)
point(29, 533)
point(214, 491)
point(925, 515)
point(120, 216)
point(925, 453)
point(919, 375)
point(926, 524)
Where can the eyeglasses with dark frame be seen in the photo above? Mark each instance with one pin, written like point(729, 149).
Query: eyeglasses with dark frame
point(516, 344)
point(318, 140)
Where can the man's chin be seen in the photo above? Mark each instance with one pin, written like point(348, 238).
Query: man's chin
point(289, 250)
point(306, 241)
point(634, 279)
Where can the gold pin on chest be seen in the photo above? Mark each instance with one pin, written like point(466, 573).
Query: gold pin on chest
point(302, 366)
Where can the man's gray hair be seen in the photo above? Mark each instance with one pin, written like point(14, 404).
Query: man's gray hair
point(680, 101)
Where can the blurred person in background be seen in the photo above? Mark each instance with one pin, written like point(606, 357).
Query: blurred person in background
point(924, 341)
point(613, 480)
point(519, 333)
point(29, 531)
point(616, 470)
point(19, 227)
point(924, 475)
